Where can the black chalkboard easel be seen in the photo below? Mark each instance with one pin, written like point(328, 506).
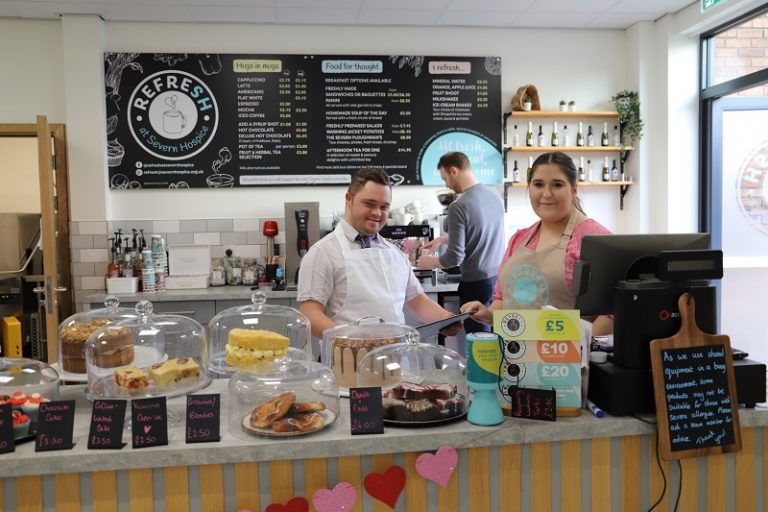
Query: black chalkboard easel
point(695, 390)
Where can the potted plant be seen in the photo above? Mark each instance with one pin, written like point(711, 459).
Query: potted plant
point(630, 125)
point(527, 103)
point(563, 106)
point(571, 106)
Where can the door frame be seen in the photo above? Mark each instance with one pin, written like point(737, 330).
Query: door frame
point(63, 300)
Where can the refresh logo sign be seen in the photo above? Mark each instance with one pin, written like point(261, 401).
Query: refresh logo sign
point(173, 115)
point(666, 315)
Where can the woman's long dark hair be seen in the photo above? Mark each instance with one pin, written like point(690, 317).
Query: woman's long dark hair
point(565, 163)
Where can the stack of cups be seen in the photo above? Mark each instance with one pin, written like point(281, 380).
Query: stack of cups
point(148, 275)
point(159, 261)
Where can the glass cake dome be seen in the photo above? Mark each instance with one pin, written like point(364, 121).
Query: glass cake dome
point(246, 335)
point(344, 347)
point(25, 384)
point(423, 383)
point(75, 330)
point(150, 355)
point(284, 397)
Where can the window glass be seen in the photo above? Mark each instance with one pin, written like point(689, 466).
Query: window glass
point(740, 50)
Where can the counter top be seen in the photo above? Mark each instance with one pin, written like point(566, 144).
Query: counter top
point(229, 293)
point(236, 446)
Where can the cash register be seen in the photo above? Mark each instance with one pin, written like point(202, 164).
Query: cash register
point(638, 279)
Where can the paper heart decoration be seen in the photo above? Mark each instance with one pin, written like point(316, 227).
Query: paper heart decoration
point(386, 487)
point(147, 428)
point(297, 504)
point(438, 467)
point(341, 499)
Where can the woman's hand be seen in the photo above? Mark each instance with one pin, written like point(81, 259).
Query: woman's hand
point(480, 313)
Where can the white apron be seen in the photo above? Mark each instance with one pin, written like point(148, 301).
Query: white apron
point(376, 282)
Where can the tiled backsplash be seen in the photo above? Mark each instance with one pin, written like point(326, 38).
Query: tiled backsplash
point(90, 247)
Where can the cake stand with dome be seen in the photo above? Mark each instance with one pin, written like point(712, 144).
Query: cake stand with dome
point(425, 384)
point(246, 335)
point(150, 355)
point(282, 398)
point(74, 332)
point(344, 347)
point(25, 384)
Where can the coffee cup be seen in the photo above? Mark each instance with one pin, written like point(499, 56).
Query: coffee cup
point(403, 219)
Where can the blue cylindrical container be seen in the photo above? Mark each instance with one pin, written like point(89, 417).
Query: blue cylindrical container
point(483, 359)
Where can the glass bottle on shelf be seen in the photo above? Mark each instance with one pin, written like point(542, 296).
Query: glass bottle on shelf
point(515, 173)
point(529, 135)
point(614, 172)
point(530, 167)
point(589, 170)
point(580, 135)
point(566, 136)
point(515, 137)
point(555, 137)
point(590, 137)
point(540, 141)
point(604, 135)
point(606, 170)
point(616, 136)
point(582, 174)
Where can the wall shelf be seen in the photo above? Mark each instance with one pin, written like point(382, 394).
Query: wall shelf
point(565, 149)
point(552, 114)
point(623, 188)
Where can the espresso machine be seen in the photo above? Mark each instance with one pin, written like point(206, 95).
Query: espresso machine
point(410, 239)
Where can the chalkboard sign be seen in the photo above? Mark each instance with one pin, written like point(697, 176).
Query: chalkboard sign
point(149, 422)
point(6, 429)
point(54, 428)
point(533, 404)
point(695, 391)
point(203, 418)
point(366, 411)
point(178, 121)
point(107, 421)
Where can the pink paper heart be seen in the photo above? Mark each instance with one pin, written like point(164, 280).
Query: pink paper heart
point(147, 428)
point(341, 499)
point(438, 467)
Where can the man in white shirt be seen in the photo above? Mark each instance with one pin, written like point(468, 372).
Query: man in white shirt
point(353, 272)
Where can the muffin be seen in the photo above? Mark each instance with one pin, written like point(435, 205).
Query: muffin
point(17, 400)
point(32, 406)
point(21, 424)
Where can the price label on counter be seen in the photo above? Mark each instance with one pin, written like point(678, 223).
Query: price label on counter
point(203, 418)
point(366, 411)
point(107, 420)
point(56, 421)
point(533, 404)
point(6, 429)
point(149, 422)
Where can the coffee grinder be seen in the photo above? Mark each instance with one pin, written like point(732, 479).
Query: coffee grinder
point(446, 197)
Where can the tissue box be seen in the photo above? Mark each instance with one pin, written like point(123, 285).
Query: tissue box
point(186, 282)
point(189, 260)
point(122, 284)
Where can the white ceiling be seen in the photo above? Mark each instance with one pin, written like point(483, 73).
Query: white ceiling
point(594, 14)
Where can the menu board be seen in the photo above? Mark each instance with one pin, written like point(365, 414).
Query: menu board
point(178, 121)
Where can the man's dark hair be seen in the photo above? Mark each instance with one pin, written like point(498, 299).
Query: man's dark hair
point(454, 159)
point(363, 176)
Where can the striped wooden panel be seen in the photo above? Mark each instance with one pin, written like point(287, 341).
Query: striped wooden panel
point(415, 484)
point(655, 482)
point(281, 481)
point(212, 488)
point(379, 464)
point(177, 488)
point(29, 493)
point(247, 485)
point(745, 472)
point(2, 495)
point(509, 477)
point(448, 497)
point(315, 477)
point(570, 476)
point(716, 483)
point(630, 473)
point(104, 485)
point(689, 494)
point(600, 476)
point(479, 485)
point(350, 471)
point(67, 492)
point(541, 477)
point(140, 492)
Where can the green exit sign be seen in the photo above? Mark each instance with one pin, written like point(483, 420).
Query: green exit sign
point(708, 4)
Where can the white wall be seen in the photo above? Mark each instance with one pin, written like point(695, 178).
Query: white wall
point(19, 180)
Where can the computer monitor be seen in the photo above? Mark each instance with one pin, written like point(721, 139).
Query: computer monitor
point(607, 259)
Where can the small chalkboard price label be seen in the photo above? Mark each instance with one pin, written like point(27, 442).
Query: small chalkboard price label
point(533, 404)
point(366, 411)
point(6, 429)
point(107, 420)
point(695, 391)
point(149, 422)
point(54, 427)
point(203, 418)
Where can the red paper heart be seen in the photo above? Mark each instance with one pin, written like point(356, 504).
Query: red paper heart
point(297, 504)
point(386, 487)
